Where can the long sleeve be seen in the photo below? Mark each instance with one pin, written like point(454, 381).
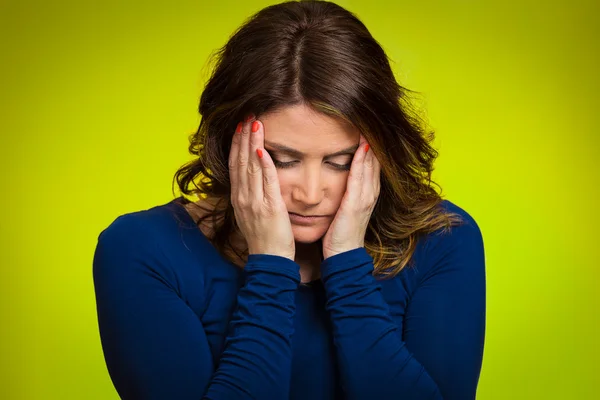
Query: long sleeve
point(440, 354)
point(155, 346)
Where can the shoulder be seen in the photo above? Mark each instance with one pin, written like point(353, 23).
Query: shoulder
point(159, 248)
point(145, 240)
point(459, 247)
point(468, 229)
point(144, 227)
point(465, 233)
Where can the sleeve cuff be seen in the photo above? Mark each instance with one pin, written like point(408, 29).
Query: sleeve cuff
point(350, 259)
point(273, 264)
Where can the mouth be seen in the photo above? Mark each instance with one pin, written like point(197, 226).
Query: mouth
point(305, 219)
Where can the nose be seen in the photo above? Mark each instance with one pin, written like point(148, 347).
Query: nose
point(310, 189)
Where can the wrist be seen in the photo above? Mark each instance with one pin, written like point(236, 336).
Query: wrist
point(334, 252)
point(258, 251)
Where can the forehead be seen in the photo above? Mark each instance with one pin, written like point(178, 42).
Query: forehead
point(307, 130)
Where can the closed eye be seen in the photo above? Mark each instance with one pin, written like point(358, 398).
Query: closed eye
point(342, 167)
point(279, 164)
point(289, 164)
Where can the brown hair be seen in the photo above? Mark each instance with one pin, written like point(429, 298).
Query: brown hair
point(319, 54)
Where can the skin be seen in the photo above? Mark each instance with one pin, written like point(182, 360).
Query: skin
point(343, 188)
point(312, 186)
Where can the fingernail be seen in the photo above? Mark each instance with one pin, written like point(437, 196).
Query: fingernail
point(254, 126)
point(238, 129)
point(259, 152)
point(249, 117)
point(366, 148)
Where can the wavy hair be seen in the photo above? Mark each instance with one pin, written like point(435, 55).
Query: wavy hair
point(318, 54)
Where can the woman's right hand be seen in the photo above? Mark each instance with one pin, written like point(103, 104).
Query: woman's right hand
point(260, 211)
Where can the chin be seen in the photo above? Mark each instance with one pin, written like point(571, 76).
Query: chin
point(309, 234)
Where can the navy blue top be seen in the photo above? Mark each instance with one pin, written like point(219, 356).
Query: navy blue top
point(178, 321)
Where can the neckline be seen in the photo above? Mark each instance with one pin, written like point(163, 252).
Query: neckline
point(311, 285)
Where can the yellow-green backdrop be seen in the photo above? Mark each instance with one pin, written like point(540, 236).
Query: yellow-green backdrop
point(98, 97)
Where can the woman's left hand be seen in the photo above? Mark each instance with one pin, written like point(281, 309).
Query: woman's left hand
point(347, 231)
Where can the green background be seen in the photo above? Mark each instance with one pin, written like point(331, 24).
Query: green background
point(98, 98)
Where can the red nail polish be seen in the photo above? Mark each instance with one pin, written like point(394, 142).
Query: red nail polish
point(254, 126)
point(259, 152)
point(367, 148)
point(238, 129)
point(250, 117)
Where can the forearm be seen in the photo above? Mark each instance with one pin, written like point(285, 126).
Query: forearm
point(374, 361)
point(256, 362)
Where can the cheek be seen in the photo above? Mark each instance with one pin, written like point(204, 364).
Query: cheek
point(285, 184)
point(337, 187)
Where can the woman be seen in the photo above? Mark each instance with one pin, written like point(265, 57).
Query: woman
point(318, 262)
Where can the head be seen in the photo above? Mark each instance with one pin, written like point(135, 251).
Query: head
point(315, 77)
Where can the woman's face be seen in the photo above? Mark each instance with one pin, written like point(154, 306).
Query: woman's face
point(302, 143)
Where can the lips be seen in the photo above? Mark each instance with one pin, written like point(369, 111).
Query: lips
point(307, 221)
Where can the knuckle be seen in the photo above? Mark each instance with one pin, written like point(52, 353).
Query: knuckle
point(253, 169)
point(269, 180)
point(270, 210)
point(365, 207)
point(270, 184)
point(357, 176)
point(241, 201)
point(256, 208)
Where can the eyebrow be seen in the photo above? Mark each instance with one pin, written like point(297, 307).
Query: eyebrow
point(280, 148)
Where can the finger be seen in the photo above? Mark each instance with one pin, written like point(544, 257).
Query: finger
point(367, 185)
point(271, 189)
point(376, 175)
point(255, 174)
point(371, 175)
point(369, 162)
point(362, 140)
point(243, 159)
point(355, 177)
point(233, 157)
